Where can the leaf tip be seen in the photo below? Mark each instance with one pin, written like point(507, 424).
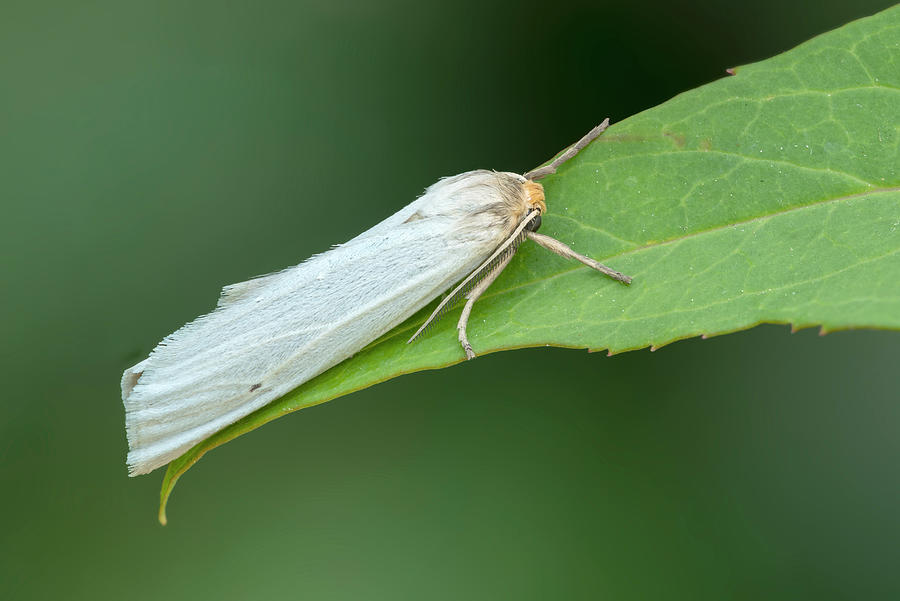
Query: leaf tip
point(163, 501)
point(172, 474)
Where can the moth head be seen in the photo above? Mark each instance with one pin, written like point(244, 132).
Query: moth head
point(534, 204)
point(534, 193)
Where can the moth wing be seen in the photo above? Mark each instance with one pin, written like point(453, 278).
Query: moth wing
point(270, 334)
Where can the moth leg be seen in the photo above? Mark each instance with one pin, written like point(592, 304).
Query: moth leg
point(562, 250)
point(472, 296)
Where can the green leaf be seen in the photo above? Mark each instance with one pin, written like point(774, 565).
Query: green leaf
point(772, 195)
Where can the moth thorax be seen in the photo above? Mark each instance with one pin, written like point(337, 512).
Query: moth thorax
point(535, 193)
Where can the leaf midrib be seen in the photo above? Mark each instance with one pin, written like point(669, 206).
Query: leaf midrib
point(736, 155)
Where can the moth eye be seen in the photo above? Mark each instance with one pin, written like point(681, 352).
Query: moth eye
point(534, 224)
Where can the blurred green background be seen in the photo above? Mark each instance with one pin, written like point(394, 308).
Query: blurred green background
point(152, 152)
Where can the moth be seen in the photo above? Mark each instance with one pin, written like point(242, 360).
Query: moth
point(270, 334)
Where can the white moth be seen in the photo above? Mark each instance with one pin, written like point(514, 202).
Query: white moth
point(268, 335)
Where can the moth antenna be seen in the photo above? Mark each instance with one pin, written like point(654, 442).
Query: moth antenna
point(503, 252)
point(570, 152)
